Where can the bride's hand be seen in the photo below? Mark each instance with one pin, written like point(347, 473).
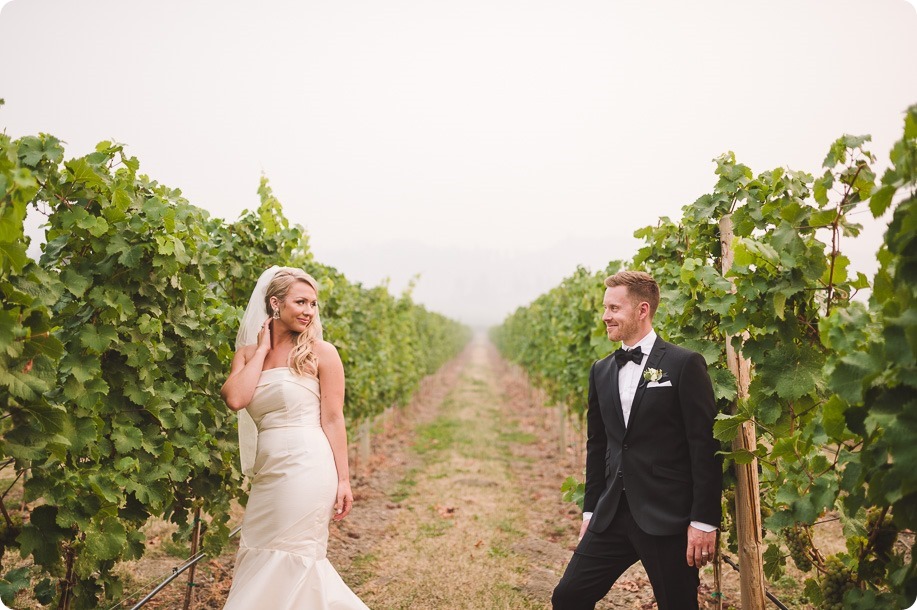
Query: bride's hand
point(344, 500)
point(264, 336)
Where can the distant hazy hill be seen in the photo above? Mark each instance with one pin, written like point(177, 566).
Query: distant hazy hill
point(477, 286)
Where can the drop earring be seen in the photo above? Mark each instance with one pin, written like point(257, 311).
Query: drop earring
point(276, 314)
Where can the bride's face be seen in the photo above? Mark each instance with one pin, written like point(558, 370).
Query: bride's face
point(299, 307)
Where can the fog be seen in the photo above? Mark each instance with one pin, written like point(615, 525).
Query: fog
point(488, 147)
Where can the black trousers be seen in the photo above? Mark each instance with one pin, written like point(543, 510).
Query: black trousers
point(600, 559)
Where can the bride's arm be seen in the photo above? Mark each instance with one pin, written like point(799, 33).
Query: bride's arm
point(331, 375)
point(245, 371)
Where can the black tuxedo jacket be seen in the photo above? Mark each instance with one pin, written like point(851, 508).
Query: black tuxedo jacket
point(665, 457)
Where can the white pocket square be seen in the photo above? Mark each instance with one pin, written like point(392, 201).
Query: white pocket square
point(659, 384)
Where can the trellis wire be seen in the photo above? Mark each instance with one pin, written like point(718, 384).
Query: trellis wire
point(176, 572)
point(767, 593)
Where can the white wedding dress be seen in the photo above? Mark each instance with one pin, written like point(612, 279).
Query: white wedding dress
point(281, 564)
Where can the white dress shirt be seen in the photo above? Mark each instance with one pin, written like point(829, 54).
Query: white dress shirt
point(629, 374)
point(628, 380)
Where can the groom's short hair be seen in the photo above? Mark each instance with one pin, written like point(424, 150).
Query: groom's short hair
point(640, 286)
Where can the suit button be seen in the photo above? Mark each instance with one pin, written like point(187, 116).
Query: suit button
point(625, 447)
point(620, 474)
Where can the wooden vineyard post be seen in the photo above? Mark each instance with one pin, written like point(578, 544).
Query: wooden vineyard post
point(195, 543)
point(747, 497)
point(365, 444)
point(66, 584)
point(718, 576)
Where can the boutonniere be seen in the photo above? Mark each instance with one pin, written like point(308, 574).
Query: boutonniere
point(653, 374)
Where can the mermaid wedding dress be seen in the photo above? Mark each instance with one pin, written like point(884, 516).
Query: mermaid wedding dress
point(281, 564)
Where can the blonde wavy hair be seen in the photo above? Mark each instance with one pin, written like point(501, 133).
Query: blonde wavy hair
point(303, 359)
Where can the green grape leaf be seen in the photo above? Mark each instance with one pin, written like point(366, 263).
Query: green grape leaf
point(40, 537)
point(74, 282)
point(126, 438)
point(14, 581)
point(13, 256)
point(82, 171)
point(106, 539)
point(98, 338)
point(726, 427)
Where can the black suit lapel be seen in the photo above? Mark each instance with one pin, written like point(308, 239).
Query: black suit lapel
point(656, 354)
point(616, 393)
point(612, 396)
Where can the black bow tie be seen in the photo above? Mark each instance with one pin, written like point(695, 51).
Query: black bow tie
point(623, 356)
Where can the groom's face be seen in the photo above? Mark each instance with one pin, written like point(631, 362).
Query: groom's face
point(622, 316)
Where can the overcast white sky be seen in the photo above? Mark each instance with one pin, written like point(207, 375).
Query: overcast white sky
point(488, 145)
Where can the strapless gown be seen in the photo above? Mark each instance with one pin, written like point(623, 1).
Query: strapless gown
point(281, 563)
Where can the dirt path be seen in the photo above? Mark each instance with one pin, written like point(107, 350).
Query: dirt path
point(473, 517)
point(460, 506)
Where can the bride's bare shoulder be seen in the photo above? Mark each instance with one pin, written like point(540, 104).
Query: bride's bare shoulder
point(330, 366)
point(323, 348)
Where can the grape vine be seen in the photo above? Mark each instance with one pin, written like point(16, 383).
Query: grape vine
point(113, 348)
point(832, 393)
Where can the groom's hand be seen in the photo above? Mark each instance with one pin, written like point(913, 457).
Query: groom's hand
point(583, 528)
point(701, 545)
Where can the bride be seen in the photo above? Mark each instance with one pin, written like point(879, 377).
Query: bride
point(287, 385)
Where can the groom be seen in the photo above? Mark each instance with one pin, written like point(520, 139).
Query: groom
point(653, 481)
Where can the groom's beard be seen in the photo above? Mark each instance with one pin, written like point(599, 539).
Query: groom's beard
point(627, 328)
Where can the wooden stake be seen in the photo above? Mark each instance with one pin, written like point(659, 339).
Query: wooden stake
point(717, 575)
point(365, 443)
point(67, 583)
point(748, 499)
point(195, 541)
